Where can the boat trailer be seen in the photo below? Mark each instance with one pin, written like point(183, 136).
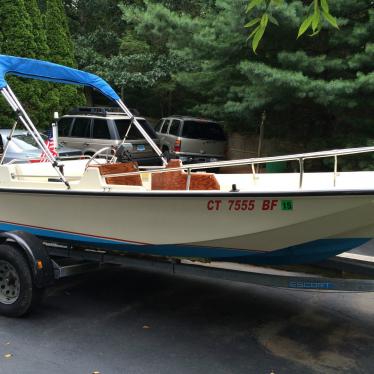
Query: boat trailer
point(29, 265)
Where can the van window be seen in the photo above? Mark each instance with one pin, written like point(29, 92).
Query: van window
point(203, 130)
point(174, 127)
point(81, 128)
point(100, 129)
point(64, 126)
point(123, 125)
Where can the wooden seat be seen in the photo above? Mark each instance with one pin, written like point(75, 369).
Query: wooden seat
point(177, 180)
point(119, 168)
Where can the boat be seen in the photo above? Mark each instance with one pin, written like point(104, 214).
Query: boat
point(180, 211)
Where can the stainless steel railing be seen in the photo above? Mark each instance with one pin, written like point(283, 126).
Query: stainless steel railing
point(252, 162)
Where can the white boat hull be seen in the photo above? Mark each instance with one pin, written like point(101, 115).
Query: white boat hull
point(293, 217)
point(212, 225)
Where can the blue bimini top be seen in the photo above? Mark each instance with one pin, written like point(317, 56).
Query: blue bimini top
point(48, 71)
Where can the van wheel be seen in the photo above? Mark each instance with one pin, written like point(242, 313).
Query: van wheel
point(18, 295)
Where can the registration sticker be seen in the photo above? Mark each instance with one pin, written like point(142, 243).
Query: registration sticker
point(140, 147)
point(287, 205)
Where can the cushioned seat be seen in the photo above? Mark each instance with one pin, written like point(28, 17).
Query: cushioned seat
point(119, 168)
point(177, 180)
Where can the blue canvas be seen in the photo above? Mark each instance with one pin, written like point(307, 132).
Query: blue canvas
point(48, 71)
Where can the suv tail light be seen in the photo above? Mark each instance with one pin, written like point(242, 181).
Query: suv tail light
point(177, 145)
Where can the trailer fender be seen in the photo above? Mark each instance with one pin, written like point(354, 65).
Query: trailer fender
point(37, 256)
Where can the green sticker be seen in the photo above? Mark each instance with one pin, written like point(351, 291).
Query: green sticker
point(287, 204)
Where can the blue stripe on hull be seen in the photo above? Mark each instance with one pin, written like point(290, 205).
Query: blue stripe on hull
point(299, 254)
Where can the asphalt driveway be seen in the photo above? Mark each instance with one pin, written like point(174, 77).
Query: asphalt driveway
point(127, 321)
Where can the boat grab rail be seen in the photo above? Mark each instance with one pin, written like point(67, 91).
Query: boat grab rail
point(18, 161)
point(300, 157)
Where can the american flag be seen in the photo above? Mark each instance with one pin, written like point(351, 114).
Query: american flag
point(50, 143)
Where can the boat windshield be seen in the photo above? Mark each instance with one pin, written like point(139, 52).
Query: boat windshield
point(134, 134)
point(26, 141)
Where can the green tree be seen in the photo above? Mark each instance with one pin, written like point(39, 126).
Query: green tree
point(317, 90)
point(23, 34)
point(41, 108)
point(192, 57)
point(317, 15)
point(17, 38)
point(41, 49)
point(58, 34)
point(61, 51)
point(16, 29)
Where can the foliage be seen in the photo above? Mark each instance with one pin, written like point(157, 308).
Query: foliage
point(318, 12)
point(327, 88)
point(17, 38)
point(61, 51)
point(25, 32)
point(192, 57)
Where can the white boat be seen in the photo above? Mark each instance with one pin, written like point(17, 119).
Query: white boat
point(174, 211)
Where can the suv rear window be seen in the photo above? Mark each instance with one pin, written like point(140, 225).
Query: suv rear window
point(174, 127)
point(134, 134)
point(100, 129)
point(203, 130)
point(64, 126)
point(81, 128)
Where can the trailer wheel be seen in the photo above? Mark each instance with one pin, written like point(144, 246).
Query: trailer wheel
point(18, 294)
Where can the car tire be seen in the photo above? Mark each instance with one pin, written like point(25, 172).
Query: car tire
point(18, 294)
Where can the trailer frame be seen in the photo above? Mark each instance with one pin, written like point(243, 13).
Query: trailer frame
point(343, 273)
point(29, 265)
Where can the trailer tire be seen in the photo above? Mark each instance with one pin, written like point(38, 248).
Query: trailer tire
point(18, 294)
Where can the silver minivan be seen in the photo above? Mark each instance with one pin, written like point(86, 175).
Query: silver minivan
point(191, 139)
point(91, 129)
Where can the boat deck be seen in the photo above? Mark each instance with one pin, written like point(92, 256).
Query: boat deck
point(43, 176)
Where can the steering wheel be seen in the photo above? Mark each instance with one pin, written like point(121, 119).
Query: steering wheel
point(94, 156)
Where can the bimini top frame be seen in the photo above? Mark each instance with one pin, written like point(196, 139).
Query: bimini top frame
point(47, 71)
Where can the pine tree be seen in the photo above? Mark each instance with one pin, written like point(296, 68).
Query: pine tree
point(17, 39)
point(41, 107)
point(61, 51)
point(318, 91)
point(23, 34)
point(41, 46)
point(16, 29)
point(58, 35)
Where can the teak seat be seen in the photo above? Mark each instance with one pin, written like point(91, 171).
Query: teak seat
point(119, 168)
point(177, 180)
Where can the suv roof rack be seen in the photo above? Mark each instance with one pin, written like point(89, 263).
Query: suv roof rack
point(191, 117)
point(100, 111)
